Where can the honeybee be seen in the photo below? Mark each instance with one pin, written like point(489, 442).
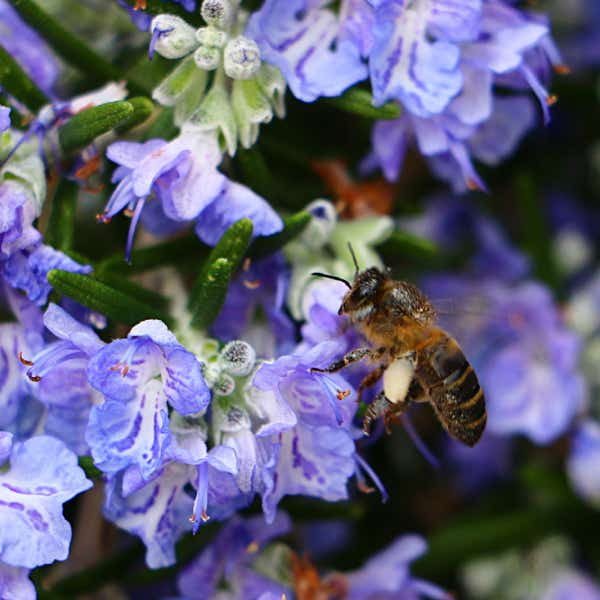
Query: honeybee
point(419, 362)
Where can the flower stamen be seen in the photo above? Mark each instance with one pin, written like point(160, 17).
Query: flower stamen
point(24, 361)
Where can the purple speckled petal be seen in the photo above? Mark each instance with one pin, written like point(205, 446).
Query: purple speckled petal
point(158, 513)
point(65, 327)
point(236, 202)
point(131, 154)
point(190, 192)
point(15, 583)
point(6, 444)
point(156, 330)
point(43, 475)
point(17, 214)
point(29, 272)
point(124, 365)
point(184, 386)
point(499, 136)
point(317, 55)
point(312, 461)
point(13, 382)
point(405, 65)
point(506, 33)
point(273, 414)
point(121, 434)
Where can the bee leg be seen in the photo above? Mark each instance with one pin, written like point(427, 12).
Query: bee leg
point(378, 407)
point(353, 356)
point(392, 415)
point(371, 379)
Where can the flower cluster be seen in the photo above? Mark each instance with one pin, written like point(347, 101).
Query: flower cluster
point(200, 385)
point(441, 61)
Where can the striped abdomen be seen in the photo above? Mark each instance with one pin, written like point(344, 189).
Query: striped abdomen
point(453, 388)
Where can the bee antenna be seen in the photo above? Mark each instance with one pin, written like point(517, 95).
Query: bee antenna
point(357, 269)
point(327, 276)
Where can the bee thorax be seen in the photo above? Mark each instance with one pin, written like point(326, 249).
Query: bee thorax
point(397, 378)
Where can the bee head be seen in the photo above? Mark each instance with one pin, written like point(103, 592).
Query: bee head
point(359, 301)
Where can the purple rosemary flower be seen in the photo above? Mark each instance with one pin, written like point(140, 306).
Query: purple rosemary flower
point(317, 456)
point(64, 358)
point(159, 510)
point(318, 52)
point(182, 175)
point(447, 87)
point(583, 460)
point(17, 214)
point(387, 574)
point(19, 409)
point(28, 270)
point(41, 475)
point(229, 557)
point(27, 48)
point(15, 583)
point(261, 285)
point(139, 376)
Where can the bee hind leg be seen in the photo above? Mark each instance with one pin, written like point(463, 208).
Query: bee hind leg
point(370, 379)
point(348, 359)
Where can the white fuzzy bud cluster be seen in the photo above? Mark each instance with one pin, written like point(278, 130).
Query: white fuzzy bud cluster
point(238, 358)
point(218, 13)
point(208, 54)
point(172, 37)
point(241, 58)
point(242, 94)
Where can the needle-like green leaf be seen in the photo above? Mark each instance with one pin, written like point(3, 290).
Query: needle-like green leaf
point(16, 82)
point(103, 298)
point(61, 223)
point(208, 293)
point(84, 127)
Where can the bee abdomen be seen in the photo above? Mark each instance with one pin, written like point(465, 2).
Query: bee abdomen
point(458, 399)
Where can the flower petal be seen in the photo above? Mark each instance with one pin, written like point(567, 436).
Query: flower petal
point(43, 475)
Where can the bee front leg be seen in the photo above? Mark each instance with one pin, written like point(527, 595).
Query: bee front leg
point(353, 356)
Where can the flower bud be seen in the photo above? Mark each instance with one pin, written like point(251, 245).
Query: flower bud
point(238, 358)
point(224, 385)
point(172, 37)
point(209, 36)
point(217, 13)
point(207, 57)
point(241, 58)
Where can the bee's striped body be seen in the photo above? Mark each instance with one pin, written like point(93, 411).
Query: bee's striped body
point(399, 322)
point(451, 386)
